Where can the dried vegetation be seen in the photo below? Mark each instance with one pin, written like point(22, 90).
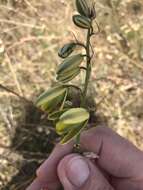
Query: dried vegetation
point(30, 34)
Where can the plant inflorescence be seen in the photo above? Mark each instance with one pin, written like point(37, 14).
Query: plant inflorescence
point(71, 121)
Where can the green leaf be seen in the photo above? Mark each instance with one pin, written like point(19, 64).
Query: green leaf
point(66, 50)
point(51, 98)
point(74, 116)
point(82, 21)
point(70, 63)
point(68, 76)
point(73, 132)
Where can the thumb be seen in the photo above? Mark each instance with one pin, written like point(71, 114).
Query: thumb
point(76, 172)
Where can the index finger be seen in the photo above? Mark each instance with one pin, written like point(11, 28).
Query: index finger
point(117, 156)
point(47, 172)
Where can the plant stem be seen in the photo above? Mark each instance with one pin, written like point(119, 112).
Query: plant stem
point(88, 67)
point(87, 78)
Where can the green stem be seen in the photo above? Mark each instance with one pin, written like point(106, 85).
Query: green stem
point(88, 67)
point(87, 78)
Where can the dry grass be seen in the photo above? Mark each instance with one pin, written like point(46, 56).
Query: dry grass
point(31, 33)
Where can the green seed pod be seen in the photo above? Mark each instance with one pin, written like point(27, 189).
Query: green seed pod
point(66, 50)
point(86, 8)
point(68, 76)
point(51, 98)
point(70, 63)
point(82, 21)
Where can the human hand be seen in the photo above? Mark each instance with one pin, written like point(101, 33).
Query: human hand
point(119, 166)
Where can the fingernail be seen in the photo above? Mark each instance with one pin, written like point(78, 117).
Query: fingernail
point(77, 171)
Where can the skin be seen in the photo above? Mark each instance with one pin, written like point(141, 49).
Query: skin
point(119, 166)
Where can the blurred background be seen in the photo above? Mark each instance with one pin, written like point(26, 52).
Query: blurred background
point(31, 32)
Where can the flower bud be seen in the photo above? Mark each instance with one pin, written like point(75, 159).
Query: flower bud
point(82, 7)
point(74, 116)
point(66, 50)
point(86, 8)
point(71, 123)
point(70, 63)
point(49, 100)
point(68, 76)
point(82, 21)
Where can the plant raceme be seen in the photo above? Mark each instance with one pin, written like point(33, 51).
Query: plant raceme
point(71, 121)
